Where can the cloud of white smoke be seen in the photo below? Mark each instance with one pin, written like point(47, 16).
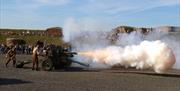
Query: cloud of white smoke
point(155, 55)
point(171, 39)
point(74, 28)
point(130, 50)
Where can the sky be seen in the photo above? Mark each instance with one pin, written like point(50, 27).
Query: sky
point(42, 14)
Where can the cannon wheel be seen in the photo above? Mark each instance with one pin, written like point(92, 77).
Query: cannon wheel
point(47, 65)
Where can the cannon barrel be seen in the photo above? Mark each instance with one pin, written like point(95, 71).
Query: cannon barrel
point(86, 65)
point(73, 53)
point(69, 54)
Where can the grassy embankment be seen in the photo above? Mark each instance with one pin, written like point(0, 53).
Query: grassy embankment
point(32, 39)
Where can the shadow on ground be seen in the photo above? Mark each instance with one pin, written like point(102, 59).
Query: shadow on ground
point(151, 74)
point(75, 69)
point(11, 81)
point(68, 69)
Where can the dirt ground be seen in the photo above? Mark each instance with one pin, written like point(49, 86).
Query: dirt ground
point(78, 79)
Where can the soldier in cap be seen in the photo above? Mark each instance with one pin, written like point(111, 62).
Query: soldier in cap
point(11, 56)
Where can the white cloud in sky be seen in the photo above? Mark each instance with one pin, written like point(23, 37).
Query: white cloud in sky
point(32, 11)
point(53, 2)
point(95, 6)
point(116, 6)
point(31, 5)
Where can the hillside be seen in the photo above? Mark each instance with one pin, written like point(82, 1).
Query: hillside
point(32, 39)
point(30, 36)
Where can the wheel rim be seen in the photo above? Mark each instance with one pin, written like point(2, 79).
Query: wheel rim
point(47, 65)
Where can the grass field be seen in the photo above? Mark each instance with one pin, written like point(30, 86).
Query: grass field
point(32, 39)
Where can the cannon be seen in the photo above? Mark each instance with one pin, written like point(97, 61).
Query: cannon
point(59, 58)
point(55, 57)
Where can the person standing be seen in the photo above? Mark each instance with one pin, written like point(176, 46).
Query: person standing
point(11, 56)
point(35, 57)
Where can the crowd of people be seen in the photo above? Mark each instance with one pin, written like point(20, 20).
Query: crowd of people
point(20, 49)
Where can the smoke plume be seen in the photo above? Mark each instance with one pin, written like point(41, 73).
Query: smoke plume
point(157, 50)
point(155, 54)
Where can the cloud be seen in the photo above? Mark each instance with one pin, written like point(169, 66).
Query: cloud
point(53, 2)
point(108, 7)
point(22, 14)
point(116, 6)
point(90, 12)
point(31, 4)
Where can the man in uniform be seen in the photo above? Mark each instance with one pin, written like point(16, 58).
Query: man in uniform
point(11, 56)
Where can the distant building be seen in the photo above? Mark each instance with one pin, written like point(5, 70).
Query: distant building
point(54, 32)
